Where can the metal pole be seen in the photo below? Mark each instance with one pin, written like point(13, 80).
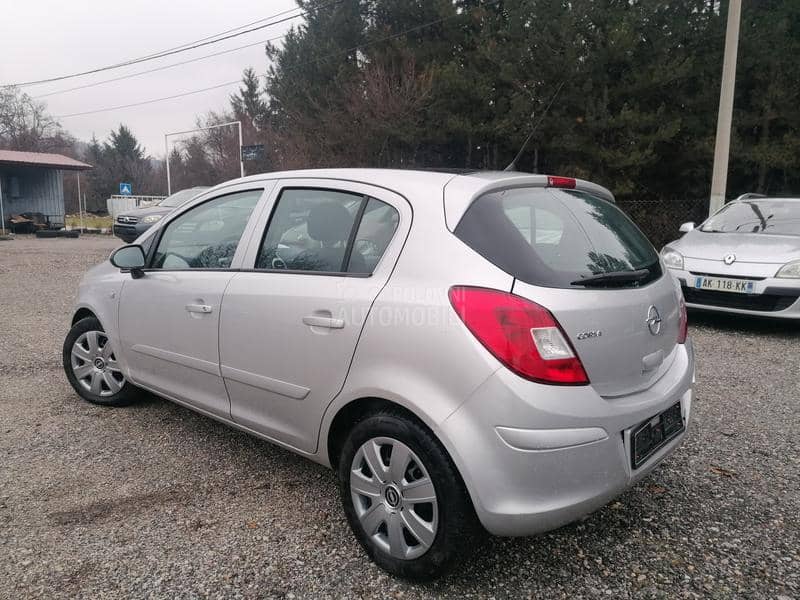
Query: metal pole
point(80, 209)
point(166, 149)
point(2, 216)
point(722, 147)
point(241, 158)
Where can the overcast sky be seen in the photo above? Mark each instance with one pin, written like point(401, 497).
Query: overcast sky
point(40, 39)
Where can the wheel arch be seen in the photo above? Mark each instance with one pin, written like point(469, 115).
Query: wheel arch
point(83, 313)
point(348, 415)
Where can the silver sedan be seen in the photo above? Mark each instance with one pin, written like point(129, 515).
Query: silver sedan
point(744, 259)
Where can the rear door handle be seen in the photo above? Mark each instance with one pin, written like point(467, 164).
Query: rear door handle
point(199, 308)
point(329, 322)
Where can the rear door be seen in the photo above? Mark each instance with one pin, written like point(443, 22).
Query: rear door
point(555, 242)
point(291, 320)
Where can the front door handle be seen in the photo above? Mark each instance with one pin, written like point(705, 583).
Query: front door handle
point(199, 308)
point(329, 322)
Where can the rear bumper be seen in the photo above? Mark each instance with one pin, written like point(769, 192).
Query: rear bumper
point(536, 457)
point(772, 297)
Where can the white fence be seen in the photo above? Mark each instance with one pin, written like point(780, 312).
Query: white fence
point(120, 204)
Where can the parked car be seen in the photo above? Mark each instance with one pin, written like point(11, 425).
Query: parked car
point(496, 351)
point(744, 259)
point(131, 224)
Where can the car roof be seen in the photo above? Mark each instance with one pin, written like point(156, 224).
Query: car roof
point(408, 181)
point(396, 179)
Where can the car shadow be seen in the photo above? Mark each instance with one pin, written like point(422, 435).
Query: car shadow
point(743, 323)
point(596, 544)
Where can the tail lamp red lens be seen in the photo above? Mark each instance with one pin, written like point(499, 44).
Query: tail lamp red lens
point(561, 182)
point(522, 335)
point(683, 326)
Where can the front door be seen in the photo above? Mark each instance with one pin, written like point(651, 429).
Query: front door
point(169, 319)
point(290, 325)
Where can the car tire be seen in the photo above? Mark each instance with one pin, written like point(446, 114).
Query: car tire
point(406, 537)
point(91, 366)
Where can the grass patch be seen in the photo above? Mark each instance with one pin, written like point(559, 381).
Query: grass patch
point(89, 221)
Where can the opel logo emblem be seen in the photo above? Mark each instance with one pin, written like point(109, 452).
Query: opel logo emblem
point(392, 496)
point(729, 259)
point(653, 320)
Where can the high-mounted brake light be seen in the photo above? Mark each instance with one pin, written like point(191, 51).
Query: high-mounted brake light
point(522, 335)
point(568, 183)
point(683, 326)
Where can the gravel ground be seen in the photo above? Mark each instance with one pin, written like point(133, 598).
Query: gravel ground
point(156, 501)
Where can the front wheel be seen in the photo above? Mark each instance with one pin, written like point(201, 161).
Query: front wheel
point(404, 498)
point(90, 363)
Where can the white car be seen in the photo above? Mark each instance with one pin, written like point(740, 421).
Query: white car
point(487, 351)
point(745, 259)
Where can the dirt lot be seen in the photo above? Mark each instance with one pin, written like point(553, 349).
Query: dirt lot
point(156, 501)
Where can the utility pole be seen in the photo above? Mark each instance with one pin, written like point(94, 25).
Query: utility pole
point(722, 147)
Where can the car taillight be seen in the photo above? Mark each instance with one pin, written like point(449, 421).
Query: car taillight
point(683, 326)
point(522, 335)
point(561, 182)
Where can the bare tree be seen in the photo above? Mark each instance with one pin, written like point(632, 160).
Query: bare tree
point(26, 125)
point(373, 122)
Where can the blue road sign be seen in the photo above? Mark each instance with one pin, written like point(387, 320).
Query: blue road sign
point(125, 189)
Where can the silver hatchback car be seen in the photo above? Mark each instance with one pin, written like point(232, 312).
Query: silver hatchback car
point(484, 351)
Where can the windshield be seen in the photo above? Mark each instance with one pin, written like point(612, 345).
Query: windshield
point(779, 217)
point(557, 238)
point(179, 198)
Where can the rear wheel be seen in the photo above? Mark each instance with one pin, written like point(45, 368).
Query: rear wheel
point(91, 365)
point(404, 498)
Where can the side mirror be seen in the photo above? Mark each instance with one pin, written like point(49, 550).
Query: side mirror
point(686, 227)
point(129, 258)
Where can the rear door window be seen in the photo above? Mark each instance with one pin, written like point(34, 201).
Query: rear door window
point(327, 231)
point(555, 238)
point(374, 233)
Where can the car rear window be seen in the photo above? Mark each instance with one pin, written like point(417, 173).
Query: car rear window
point(556, 238)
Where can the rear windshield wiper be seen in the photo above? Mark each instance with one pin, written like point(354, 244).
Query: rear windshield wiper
point(613, 277)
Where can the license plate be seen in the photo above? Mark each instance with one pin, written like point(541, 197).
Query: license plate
point(654, 433)
point(721, 284)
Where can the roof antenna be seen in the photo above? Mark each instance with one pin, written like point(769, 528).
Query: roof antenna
point(513, 164)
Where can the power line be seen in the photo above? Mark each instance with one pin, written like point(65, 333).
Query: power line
point(163, 68)
point(100, 110)
point(178, 49)
point(214, 87)
point(158, 54)
point(154, 57)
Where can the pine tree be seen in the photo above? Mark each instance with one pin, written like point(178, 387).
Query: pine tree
point(248, 104)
